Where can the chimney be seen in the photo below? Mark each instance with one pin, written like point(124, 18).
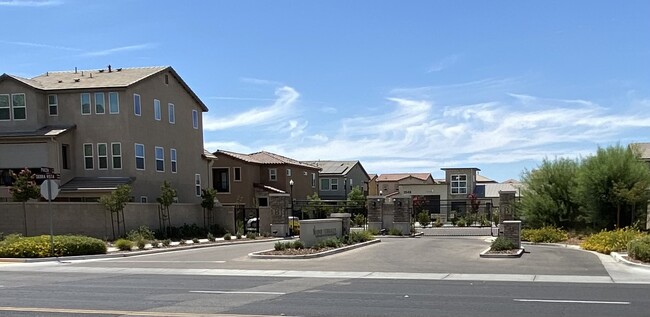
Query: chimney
point(109, 68)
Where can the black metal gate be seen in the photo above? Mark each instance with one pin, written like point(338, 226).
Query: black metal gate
point(247, 219)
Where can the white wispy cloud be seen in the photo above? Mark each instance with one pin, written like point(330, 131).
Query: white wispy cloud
point(444, 63)
point(29, 3)
point(281, 109)
point(258, 81)
point(241, 98)
point(121, 49)
point(41, 45)
point(231, 146)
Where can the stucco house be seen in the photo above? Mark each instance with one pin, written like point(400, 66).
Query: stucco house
point(100, 128)
point(337, 178)
point(248, 179)
point(388, 184)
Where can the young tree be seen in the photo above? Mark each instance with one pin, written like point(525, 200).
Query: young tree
point(612, 179)
point(166, 199)
point(207, 202)
point(548, 194)
point(315, 207)
point(115, 203)
point(23, 189)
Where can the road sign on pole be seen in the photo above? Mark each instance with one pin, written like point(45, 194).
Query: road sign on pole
point(49, 189)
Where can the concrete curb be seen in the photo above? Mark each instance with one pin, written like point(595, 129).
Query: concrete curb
point(258, 255)
point(620, 258)
point(122, 254)
point(485, 254)
point(419, 234)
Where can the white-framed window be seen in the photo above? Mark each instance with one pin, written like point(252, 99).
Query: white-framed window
point(160, 158)
point(459, 183)
point(5, 108)
point(143, 199)
point(137, 107)
point(85, 103)
point(334, 184)
point(102, 156)
point(221, 179)
point(100, 103)
point(273, 174)
point(172, 156)
point(19, 108)
point(53, 105)
point(237, 174)
point(114, 102)
point(88, 155)
point(195, 119)
point(350, 181)
point(324, 184)
point(116, 155)
point(157, 112)
point(139, 156)
point(171, 113)
point(313, 180)
point(288, 172)
point(197, 185)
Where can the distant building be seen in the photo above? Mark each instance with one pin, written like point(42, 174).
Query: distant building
point(337, 178)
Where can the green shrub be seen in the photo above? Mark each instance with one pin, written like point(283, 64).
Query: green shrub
point(155, 244)
point(238, 235)
point(182, 242)
point(502, 244)
point(611, 241)
point(143, 232)
point(359, 220)
point(251, 235)
point(395, 232)
point(332, 243)
point(195, 240)
point(454, 220)
point(210, 237)
point(485, 222)
point(141, 243)
point(16, 246)
point(124, 244)
point(639, 249)
point(373, 231)
point(359, 236)
point(298, 244)
point(281, 245)
point(166, 242)
point(544, 235)
point(461, 222)
point(424, 219)
point(227, 236)
point(438, 223)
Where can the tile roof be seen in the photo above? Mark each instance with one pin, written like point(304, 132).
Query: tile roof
point(334, 167)
point(46, 131)
point(492, 189)
point(399, 176)
point(266, 158)
point(482, 179)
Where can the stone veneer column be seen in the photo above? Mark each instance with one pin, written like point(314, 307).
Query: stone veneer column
point(345, 221)
point(506, 205)
point(512, 231)
point(279, 204)
point(375, 205)
point(402, 216)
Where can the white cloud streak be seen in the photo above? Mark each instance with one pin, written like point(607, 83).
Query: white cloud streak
point(41, 45)
point(443, 64)
point(121, 49)
point(29, 3)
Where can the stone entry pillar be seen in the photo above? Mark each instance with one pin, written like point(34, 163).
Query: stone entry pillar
point(279, 204)
point(506, 205)
point(402, 216)
point(345, 221)
point(512, 231)
point(375, 205)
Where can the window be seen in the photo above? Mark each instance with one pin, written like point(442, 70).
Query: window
point(143, 199)
point(324, 184)
point(88, 156)
point(116, 155)
point(313, 180)
point(237, 172)
point(53, 105)
point(195, 119)
point(160, 159)
point(102, 156)
point(305, 173)
point(85, 103)
point(273, 174)
point(19, 108)
point(221, 181)
point(156, 110)
point(262, 201)
point(459, 184)
point(5, 111)
point(137, 109)
point(350, 181)
point(113, 102)
point(166, 79)
point(100, 103)
point(288, 172)
point(334, 184)
point(197, 185)
point(172, 156)
point(65, 154)
point(171, 113)
point(139, 156)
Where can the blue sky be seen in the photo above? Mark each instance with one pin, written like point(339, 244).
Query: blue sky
point(402, 86)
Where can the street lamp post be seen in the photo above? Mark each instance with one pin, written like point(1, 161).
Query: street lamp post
point(291, 198)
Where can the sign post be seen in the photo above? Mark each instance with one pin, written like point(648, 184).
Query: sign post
point(49, 191)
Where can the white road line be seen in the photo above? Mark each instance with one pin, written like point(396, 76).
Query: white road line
point(129, 261)
point(239, 292)
point(570, 301)
point(118, 312)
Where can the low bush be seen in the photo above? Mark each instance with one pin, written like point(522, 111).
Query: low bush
point(359, 236)
point(166, 242)
point(211, 237)
point(544, 235)
point(395, 232)
point(298, 244)
point(238, 235)
point(195, 240)
point(373, 231)
point(143, 232)
point(124, 244)
point(461, 222)
point(424, 219)
point(359, 220)
point(502, 244)
point(251, 235)
point(281, 245)
point(611, 241)
point(16, 246)
point(639, 249)
point(438, 223)
point(183, 232)
point(227, 236)
point(182, 242)
point(141, 243)
point(155, 244)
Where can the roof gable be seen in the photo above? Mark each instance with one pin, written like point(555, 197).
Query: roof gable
point(400, 176)
point(265, 158)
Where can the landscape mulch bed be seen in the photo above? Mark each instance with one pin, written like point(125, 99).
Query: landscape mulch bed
point(305, 251)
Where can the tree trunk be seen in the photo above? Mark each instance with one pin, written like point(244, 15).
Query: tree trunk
point(25, 218)
point(618, 216)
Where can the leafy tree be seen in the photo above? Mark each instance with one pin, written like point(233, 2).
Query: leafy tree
point(115, 203)
point(23, 189)
point(166, 199)
point(614, 179)
point(316, 208)
point(356, 197)
point(548, 195)
point(207, 202)
point(424, 219)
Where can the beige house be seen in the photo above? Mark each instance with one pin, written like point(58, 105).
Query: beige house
point(388, 184)
point(104, 127)
point(248, 179)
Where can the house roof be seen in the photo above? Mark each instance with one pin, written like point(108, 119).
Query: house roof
point(372, 176)
point(269, 189)
point(266, 158)
point(94, 184)
point(511, 181)
point(337, 167)
point(208, 155)
point(99, 78)
point(492, 189)
point(400, 176)
point(46, 131)
point(482, 179)
point(643, 148)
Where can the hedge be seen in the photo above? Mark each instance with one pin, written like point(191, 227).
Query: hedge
point(39, 246)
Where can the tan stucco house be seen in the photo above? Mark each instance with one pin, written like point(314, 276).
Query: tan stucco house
point(101, 128)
